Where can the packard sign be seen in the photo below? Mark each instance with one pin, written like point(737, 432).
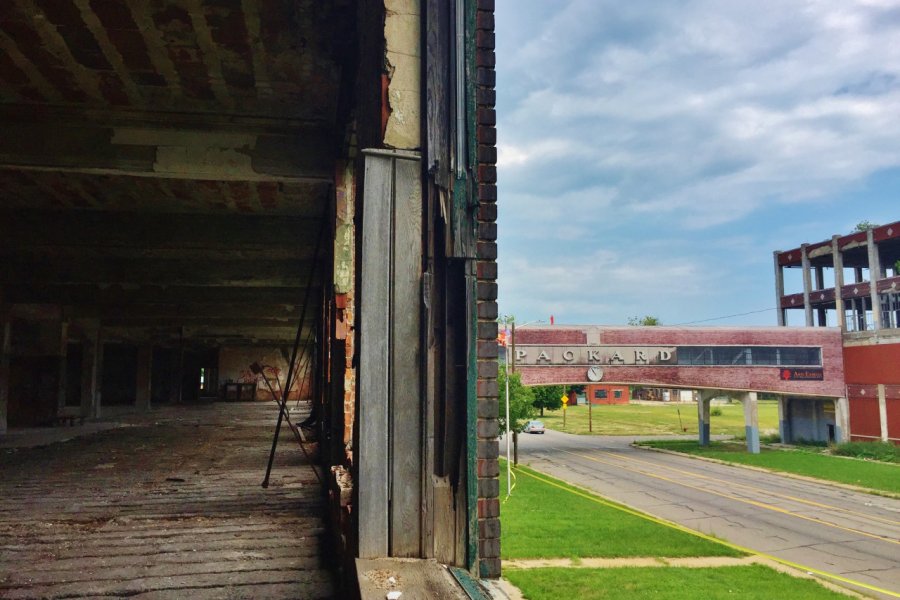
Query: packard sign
point(545, 356)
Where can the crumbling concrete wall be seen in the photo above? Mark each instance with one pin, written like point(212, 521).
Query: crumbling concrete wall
point(402, 34)
point(344, 285)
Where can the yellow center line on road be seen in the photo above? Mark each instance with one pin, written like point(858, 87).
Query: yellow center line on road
point(593, 497)
point(758, 489)
point(755, 503)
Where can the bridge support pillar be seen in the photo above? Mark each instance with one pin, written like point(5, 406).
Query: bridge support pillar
point(842, 420)
point(703, 403)
point(751, 421)
point(784, 419)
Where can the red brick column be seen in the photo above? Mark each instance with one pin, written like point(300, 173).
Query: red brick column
point(488, 446)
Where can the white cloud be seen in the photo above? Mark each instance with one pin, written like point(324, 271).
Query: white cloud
point(626, 120)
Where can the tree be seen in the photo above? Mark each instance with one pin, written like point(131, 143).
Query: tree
point(864, 225)
point(521, 406)
point(549, 397)
point(645, 321)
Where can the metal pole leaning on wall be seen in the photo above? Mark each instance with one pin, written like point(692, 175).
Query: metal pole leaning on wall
point(261, 370)
point(289, 380)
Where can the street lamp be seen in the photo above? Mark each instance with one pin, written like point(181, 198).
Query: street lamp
point(511, 348)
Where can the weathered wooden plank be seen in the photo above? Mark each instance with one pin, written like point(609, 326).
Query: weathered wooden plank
point(184, 583)
point(437, 90)
point(444, 521)
point(406, 361)
point(105, 572)
point(69, 529)
point(374, 302)
point(243, 592)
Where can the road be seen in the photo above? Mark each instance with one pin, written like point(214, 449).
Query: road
point(853, 536)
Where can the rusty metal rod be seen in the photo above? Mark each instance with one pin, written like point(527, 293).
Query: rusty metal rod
point(297, 433)
point(289, 379)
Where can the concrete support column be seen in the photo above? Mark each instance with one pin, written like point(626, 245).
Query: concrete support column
point(177, 376)
point(820, 285)
point(838, 259)
point(144, 370)
point(703, 402)
point(751, 421)
point(784, 419)
point(882, 412)
point(807, 285)
point(842, 420)
point(779, 289)
point(91, 368)
point(874, 276)
point(5, 348)
point(63, 365)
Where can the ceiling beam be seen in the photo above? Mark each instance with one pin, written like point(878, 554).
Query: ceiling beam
point(163, 234)
point(108, 297)
point(157, 272)
point(150, 150)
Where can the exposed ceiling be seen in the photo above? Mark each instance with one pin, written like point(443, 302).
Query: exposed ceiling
point(165, 165)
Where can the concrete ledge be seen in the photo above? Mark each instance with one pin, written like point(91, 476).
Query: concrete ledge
point(416, 579)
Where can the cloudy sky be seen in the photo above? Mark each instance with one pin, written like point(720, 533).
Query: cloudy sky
point(653, 154)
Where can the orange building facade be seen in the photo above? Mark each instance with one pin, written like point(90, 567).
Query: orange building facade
point(607, 394)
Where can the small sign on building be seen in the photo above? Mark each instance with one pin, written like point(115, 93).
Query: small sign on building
point(802, 374)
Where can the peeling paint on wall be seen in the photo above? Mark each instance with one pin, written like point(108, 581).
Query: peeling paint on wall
point(234, 366)
point(402, 33)
point(343, 235)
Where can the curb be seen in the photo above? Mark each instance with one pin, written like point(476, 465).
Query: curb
point(807, 478)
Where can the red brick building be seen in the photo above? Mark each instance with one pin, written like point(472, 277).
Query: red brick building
point(607, 394)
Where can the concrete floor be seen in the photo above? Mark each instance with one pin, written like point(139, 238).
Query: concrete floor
point(167, 506)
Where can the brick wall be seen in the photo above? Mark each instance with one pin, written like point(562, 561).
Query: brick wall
point(591, 394)
point(756, 378)
point(488, 447)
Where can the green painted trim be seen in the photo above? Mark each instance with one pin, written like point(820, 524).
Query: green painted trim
point(471, 105)
point(471, 9)
point(472, 429)
point(469, 584)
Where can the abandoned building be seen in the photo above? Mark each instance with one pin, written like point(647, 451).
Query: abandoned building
point(852, 282)
point(192, 189)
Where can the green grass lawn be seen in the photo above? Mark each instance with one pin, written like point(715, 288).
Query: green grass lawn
point(753, 582)
point(812, 462)
point(547, 520)
point(642, 419)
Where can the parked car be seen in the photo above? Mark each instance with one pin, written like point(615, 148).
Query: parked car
point(533, 427)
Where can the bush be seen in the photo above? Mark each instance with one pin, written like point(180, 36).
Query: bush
point(883, 451)
point(715, 412)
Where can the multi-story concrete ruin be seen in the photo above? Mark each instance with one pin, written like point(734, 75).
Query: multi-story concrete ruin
point(853, 282)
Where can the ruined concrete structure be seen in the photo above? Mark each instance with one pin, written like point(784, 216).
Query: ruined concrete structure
point(179, 178)
point(853, 282)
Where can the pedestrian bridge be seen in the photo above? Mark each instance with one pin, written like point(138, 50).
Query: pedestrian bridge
point(802, 367)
